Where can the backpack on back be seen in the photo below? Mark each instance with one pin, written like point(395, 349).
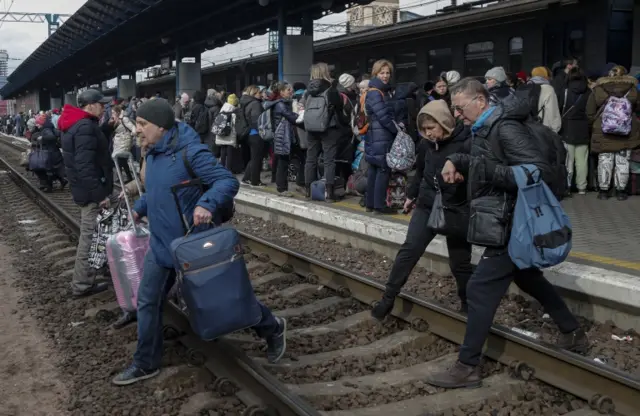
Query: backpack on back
point(556, 155)
point(223, 124)
point(617, 114)
point(531, 92)
point(541, 232)
point(242, 124)
point(318, 116)
point(201, 123)
point(265, 125)
point(402, 155)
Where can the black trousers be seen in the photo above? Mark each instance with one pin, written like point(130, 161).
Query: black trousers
point(282, 172)
point(327, 143)
point(226, 156)
point(416, 242)
point(485, 290)
point(254, 167)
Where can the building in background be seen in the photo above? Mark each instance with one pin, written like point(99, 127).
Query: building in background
point(379, 13)
point(6, 106)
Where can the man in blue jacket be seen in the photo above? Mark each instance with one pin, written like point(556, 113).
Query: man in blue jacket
point(165, 141)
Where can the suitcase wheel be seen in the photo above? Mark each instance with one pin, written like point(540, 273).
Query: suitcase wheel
point(196, 358)
point(170, 332)
point(286, 268)
point(225, 387)
point(255, 410)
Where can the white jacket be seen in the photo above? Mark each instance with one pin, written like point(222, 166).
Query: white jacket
point(548, 108)
point(122, 140)
point(231, 139)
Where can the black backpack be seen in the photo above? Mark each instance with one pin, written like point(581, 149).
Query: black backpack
point(531, 92)
point(201, 123)
point(242, 124)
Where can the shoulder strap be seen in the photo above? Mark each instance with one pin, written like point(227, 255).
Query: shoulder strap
point(564, 103)
point(187, 165)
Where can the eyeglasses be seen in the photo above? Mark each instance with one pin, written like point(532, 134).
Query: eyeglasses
point(459, 109)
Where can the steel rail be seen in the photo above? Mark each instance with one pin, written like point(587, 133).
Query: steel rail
point(604, 388)
point(221, 357)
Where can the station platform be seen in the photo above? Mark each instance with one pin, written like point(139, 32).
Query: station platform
point(601, 275)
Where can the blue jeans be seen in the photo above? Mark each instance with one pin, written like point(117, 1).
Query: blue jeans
point(377, 184)
point(154, 287)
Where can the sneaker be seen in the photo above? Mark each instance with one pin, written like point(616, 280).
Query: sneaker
point(285, 194)
point(93, 290)
point(575, 341)
point(260, 185)
point(134, 374)
point(246, 182)
point(582, 192)
point(459, 375)
point(277, 344)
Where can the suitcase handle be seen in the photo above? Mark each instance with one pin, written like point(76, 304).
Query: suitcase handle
point(174, 191)
point(129, 158)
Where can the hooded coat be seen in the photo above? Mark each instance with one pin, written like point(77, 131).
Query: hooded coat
point(198, 112)
point(382, 131)
point(500, 128)
point(548, 110)
point(165, 168)
point(430, 161)
point(613, 87)
point(123, 138)
point(252, 108)
point(87, 158)
point(573, 106)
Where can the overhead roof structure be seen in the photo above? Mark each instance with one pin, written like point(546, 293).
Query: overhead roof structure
point(107, 36)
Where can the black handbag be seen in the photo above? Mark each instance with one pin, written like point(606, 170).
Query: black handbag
point(489, 221)
point(437, 221)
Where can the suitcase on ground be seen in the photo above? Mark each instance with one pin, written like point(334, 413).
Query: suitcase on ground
point(213, 281)
point(126, 251)
point(319, 189)
point(397, 190)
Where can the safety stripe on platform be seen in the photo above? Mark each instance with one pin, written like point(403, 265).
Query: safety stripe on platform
point(610, 261)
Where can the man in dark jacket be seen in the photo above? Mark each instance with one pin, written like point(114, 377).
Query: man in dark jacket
point(213, 105)
point(90, 174)
point(497, 130)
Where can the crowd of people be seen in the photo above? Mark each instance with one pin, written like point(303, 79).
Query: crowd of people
point(467, 134)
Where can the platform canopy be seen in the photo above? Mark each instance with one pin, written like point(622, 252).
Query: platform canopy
point(107, 36)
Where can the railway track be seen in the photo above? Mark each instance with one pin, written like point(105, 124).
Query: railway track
point(341, 362)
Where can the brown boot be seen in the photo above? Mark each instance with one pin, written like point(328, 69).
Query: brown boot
point(459, 375)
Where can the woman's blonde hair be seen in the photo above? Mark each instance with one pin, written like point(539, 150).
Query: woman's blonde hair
point(377, 67)
point(618, 71)
point(321, 71)
point(251, 90)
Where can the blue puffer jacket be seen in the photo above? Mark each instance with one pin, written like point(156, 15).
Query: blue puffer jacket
point(165, 168)
point(382, 131)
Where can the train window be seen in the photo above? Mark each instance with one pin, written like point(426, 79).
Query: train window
point(575, 44)
point(516, 48)
point(620, 37)
point(269, 77)
point(440, 60)
point(478, 58)
point(406, 67)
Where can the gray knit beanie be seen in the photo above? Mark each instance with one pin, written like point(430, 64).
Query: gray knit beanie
point(496, 73)
point(158, 112)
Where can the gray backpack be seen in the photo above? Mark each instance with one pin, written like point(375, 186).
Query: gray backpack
point(317, 113)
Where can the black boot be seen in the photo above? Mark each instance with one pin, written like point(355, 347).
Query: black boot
point(384, 307)
point(125, 319)
point(575, 341)
point(331, 194)
point(621, 195)
point(307, 191)
point(603, 195)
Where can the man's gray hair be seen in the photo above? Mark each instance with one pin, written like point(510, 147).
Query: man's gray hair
point(469, 86)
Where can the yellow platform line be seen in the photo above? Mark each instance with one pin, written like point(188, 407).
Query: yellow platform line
point(610, 261)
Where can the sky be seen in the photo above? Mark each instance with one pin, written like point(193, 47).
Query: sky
point(21, 39)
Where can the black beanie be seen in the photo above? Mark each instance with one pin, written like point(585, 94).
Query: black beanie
point(159, 112)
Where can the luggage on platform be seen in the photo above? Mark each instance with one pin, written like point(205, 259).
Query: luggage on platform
point(319, 189)
point(213, 282)
point(126, 251)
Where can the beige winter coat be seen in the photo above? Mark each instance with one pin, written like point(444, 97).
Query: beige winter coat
point(548, 108)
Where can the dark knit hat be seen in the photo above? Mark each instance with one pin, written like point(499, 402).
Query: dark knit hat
point(158, 112)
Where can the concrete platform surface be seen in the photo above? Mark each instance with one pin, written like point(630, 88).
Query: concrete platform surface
point(602, 288)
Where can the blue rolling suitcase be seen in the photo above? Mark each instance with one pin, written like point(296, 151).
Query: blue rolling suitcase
point(213, 280)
